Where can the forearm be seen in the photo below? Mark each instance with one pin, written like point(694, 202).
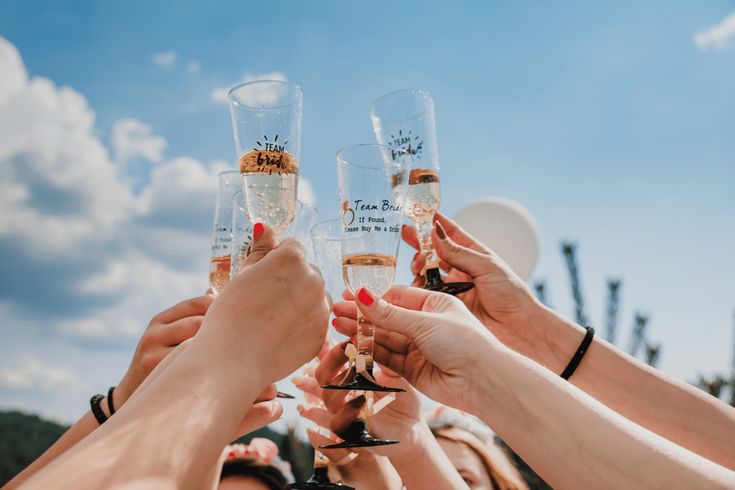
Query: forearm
point(671, 408)
point(428, 466)
point(170, 431)
point(572, 440)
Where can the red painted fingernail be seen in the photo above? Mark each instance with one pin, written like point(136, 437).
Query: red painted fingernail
point(416, 256)
point(365, 297)
point(440, 230)
point(258, 230)
point(334, 320)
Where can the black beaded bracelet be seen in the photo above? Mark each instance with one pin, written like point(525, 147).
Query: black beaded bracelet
point(577, 358)
point(110, 405)
point(94, 402)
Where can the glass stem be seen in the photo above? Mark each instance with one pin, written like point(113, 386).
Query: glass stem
point(365, 339)
point(424, 226)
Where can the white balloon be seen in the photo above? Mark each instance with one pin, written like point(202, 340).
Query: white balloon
point(507, 228)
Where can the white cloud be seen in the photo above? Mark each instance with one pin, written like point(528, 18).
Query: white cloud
point(165, 58)
point(59, 182)
point(35, 374)
point(193, 67)
point(717, 37)
point(132, 138)
point(219, 94)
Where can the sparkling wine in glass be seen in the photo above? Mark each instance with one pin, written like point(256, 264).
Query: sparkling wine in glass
point(371, 205)
point(229, 184)
point(404, 120)
point(266, 119)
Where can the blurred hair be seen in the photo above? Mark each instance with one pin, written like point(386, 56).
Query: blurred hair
point(270, 475)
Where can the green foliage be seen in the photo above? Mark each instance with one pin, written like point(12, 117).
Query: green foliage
point(23, 438)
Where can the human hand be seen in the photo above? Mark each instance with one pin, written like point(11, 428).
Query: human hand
point(429, 338)
point(400, 419)
point(165, 331)
point(500, 299)
point(273, 312)
point(359, 470)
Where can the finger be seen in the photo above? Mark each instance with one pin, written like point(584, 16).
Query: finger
point(345, 326)
point(345, 309)
point(389, 359)
point(259, 415)
point(418, 263)
point(316, 439)
point(268, 394)
point(317, 414)
point(331, 364)
point(347, 415)
point(347, 295)
point(264, 240)
point(176, 332)
point(307, 384)
point(190, 307)
point(392, 340)
point(456, 233)
point(471, 262)
point(410, 236)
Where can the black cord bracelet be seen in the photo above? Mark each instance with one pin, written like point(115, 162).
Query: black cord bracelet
point(577, 358)
point(94, 402)
point(110, 405)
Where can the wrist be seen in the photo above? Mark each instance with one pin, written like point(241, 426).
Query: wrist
point(415, 443)
point(554, 339)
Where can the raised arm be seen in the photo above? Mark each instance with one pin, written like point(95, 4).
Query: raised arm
point(173, 428)
point(165, 331)
point(569, 438)
point(503, 303)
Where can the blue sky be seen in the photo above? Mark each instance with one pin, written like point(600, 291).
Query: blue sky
point(606, 120)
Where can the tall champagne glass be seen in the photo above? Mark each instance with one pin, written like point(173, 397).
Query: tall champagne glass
point(229, 184)
point(242, 234)
point(370, 192)
point(405, 120)
point(327, 246)
point(266, 119)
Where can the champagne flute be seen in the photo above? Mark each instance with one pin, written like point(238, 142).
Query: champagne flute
point(242, 240)
point(405, 120)
point(370, 192)
point(242, 233)
point(326, 245)
point(229, 184)
point(266, 119)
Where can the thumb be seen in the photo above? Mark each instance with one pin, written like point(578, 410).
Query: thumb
point(264, 240)
point(389, 316)
point(471, 262)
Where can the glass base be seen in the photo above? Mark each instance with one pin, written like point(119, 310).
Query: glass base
point(434, 282)
point(319, 479)
point(362, 383)
point(314, 484)
point(357, 435)
point(281, 394)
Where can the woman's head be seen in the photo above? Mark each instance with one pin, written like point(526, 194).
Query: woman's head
point(469, 444)
point(255, 466)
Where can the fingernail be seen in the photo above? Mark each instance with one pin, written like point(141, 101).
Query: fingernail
point(416, 256)
point(300, 408)
point(440, 231)
point(258, 230)
point(334, 321)
point(297, 380)
point(365, 297)
point(358, 402)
